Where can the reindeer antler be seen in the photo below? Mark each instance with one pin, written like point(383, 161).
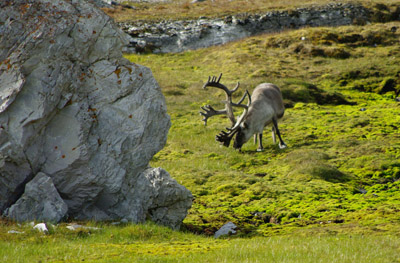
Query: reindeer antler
point(210, 111)
point(225, 137)
point(214, 82)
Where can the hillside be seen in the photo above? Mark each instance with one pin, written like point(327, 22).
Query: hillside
point(331, 196)
point(184, 9)
point(341, 170)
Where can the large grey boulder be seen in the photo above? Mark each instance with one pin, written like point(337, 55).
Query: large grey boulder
point(42, 201)
point(73, 108)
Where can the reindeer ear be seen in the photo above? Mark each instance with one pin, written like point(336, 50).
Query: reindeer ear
point(245, 125)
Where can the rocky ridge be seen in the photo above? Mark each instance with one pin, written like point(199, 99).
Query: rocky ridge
point(177, 36)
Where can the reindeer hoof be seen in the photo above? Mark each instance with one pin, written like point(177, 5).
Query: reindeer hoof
point(260, 150)
point(282, 146)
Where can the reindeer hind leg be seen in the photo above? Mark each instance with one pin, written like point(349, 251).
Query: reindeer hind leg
point(282, 145)
point(273, 135)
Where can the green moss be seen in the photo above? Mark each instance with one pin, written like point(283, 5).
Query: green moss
point(341, 132)
point(387, 85)
point(335, 190)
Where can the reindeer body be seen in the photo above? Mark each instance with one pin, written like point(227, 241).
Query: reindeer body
point(266, 104)
point(266, 107)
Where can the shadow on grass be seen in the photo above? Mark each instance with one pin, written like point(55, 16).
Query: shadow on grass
point(316, 164)
point(271, 148)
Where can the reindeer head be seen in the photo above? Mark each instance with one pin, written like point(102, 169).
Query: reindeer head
point(225, 137)
point(240, 129)
point(240, 138)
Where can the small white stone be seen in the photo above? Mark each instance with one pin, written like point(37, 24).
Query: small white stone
point(15, 232)
point(70, 228)
point(41, 227)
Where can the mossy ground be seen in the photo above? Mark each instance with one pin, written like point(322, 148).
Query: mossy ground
point(331, 196)
point(151, 243)
point(342, 165)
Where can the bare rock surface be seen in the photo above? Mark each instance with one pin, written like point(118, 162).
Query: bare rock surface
point(42, 201)
point(73, 108)
point(226, 230)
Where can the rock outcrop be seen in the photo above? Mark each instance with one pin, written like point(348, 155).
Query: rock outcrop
point(177, 36)
point(73, 108)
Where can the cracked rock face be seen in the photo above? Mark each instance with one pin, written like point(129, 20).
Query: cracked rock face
point(74, 109)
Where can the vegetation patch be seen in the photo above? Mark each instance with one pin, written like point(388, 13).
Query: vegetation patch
point(315, 165)
point(151, 243)
point(340, 169)
point(332, 196)
point(299, 91)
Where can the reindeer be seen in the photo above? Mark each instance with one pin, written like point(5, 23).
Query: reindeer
point(265, 106)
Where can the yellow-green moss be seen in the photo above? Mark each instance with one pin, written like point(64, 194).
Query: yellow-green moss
point(340, 125)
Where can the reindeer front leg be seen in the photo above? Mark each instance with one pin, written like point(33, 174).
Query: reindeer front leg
point(282, 145)
point(260, 146)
